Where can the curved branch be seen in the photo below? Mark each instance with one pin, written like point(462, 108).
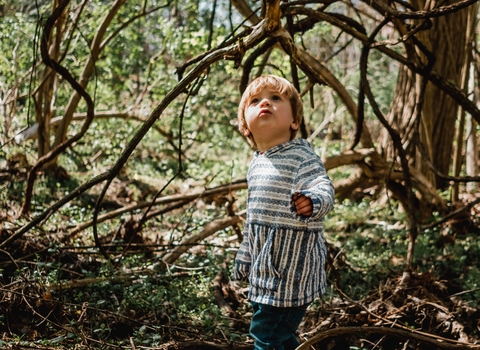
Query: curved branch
point(363, 78)
point(397, 142)
point(216, 55)
point(250, 61)
point(260, 32)
point(442, 83)
point(426, 158)
point(246, 11)
point(437, 12)
point(80, 91)
point(437, 342)
point(318, 73)
point(87, 71)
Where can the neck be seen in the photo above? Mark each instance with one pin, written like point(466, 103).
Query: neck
point(265, 146)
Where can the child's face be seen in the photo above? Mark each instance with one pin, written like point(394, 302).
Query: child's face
point(269, 118)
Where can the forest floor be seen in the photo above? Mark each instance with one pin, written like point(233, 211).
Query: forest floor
point(419, 312)
point(59, 292)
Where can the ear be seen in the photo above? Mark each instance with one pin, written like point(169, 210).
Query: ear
point(246, 132)
point(294, 126)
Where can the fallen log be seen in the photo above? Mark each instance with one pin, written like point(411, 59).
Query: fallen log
point(436, 341)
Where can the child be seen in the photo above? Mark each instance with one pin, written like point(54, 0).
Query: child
point(289, 193)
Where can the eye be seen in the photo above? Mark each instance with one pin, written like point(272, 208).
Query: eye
point(254, 100)
point(276, 98)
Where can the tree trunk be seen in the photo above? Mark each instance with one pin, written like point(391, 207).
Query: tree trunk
point(44, 95)
point(472, 155)
point(88, 70)
point(446, 40)
point(459, 152)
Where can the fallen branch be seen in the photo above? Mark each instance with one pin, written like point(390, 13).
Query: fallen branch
point(181, 199)
point(207, 231)
point(72, 284)
point(453, 214)
point(348, 158)
point(82, 283)
point(204, 345)
point(218, 289)
point(439, 343)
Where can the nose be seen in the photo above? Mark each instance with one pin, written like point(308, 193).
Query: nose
point(265, 102)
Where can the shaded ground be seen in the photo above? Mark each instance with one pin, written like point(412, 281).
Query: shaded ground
point(429, 309)
point(59, 292)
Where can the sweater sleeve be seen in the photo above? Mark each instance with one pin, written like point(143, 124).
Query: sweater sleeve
point(312, 181)
point(243, 258)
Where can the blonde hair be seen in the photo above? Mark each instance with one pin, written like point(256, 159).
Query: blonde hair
point(284, 87)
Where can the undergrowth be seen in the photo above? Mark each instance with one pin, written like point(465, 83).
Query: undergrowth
point(132, 299)
point(150, 307)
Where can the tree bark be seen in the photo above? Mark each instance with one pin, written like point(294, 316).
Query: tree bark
point(472, 156)
point(44, 95)
point(86, 74)
point(446, 40)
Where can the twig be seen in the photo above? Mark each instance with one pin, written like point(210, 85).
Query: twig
point(132, 343)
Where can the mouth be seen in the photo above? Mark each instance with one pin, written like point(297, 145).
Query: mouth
point(264, 112)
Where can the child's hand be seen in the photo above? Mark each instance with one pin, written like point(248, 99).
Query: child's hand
point(303, 204)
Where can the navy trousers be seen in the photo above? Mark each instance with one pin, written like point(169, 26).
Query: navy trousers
point(274, 328)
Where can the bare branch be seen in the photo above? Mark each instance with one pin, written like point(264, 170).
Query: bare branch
point(438, 12)
point(207, 231)
point(79, 90)
point(436, 341)
point(442, 83)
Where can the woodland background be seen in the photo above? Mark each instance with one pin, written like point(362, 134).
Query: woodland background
point(122, 172)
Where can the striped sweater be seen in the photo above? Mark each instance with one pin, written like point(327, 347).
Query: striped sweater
point(282, 253)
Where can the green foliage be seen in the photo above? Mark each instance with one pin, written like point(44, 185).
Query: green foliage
point(135, 72)
point(162, 301)
point(374, 239)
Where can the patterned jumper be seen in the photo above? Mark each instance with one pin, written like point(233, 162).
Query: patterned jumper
point(282, 253)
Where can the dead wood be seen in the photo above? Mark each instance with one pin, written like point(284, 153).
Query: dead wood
point(85, 282)
point(207, 231)
point(420, 309)
point(204, 345)
point(438, 342)
point(377, 172)
point(81, 283)
point(349, 157)
point(218, 290)
point(176, 201)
